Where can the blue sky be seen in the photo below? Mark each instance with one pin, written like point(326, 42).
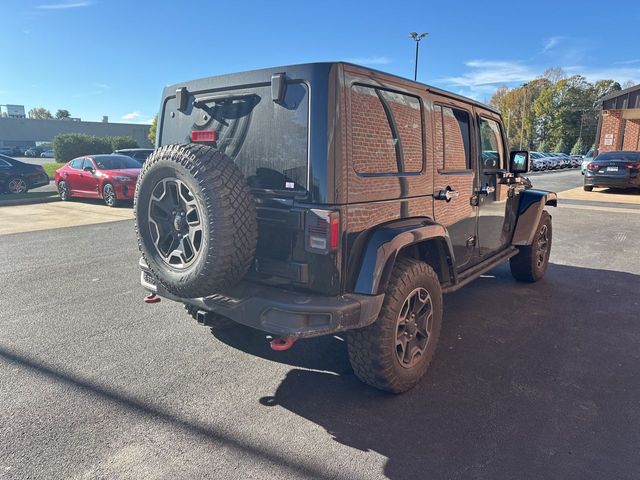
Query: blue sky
point(113, 57)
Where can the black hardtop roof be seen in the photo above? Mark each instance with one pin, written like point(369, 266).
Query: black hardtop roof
point(298, 70)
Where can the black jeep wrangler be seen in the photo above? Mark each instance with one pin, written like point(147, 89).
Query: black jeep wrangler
point(313, 199)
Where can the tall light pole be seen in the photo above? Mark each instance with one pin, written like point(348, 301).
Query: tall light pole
point(417, 37)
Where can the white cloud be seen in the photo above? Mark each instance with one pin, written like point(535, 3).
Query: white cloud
point(130, 116)
point(102, 86)
point(551, 42)
point(381, 60)
point(64, 6)
point(619, 74)
point(492, 72)
point(627, 62)
point(484, 76)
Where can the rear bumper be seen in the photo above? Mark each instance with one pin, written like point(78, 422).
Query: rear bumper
point(605, 181)
point(281, 312)
point(38, 180)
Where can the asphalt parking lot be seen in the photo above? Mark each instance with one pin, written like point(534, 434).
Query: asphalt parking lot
point(529, 381)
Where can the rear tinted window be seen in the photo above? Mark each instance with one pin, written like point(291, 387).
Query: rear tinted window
point(267, 140)
point(115, 162)
point(620, 156)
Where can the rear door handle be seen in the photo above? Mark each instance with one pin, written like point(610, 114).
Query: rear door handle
point(447, 194)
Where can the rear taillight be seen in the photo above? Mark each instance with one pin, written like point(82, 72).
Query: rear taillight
point(204, 136)
point(633, 166)
point(592, 166)
point(322, 231)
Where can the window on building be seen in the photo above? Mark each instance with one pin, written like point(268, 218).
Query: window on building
point(452, 144)
point(387, 135)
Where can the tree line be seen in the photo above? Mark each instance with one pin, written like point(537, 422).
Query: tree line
point(40, 113)
point(554, 112)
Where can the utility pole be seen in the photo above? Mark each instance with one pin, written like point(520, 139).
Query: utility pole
point(417, 37)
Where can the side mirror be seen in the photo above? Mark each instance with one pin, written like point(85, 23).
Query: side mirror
point(89, 169)
point(519, 162)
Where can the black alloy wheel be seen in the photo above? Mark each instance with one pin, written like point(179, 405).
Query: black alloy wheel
point(175, 221)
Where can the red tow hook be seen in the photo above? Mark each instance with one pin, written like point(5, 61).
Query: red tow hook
point(281, 344)
point(151, 298)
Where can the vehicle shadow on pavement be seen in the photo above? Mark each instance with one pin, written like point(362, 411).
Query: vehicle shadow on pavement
point(529, 381)
point(326, 353)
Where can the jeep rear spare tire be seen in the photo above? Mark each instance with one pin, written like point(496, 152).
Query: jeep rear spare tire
point(195, 219)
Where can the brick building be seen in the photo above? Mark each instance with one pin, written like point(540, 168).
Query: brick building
point(619, 124)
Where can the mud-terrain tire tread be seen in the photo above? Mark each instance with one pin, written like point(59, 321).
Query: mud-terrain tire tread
point(523, 265)
point(229, 208)
point(371, 354)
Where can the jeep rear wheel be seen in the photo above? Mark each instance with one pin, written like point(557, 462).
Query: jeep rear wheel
point(195, 220)
point(531, 263)
point(394, 353)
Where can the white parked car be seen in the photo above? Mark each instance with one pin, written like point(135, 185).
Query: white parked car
point(47, 154)
point(586, 160)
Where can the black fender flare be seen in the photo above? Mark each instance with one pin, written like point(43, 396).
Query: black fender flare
point(532, 203)
point(386, 241)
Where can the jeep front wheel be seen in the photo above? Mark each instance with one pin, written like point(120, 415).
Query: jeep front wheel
point(393, 353)
point(530, 264)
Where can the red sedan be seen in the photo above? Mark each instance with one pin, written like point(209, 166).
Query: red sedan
point(110, 177)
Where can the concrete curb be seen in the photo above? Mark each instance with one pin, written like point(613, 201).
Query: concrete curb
point(29, 201)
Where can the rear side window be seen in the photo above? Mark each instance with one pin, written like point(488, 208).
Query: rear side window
point(87, 163)
point(77, 163)
point(386, 129)
point(452, 142)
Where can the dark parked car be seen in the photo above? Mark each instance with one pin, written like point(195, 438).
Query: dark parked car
point(613, 170)
point(19, 177)
point(312, 199)
point(33, 152)
point(109, 177)
point(140, 154)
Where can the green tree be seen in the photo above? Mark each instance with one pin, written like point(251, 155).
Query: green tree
point(578, 147)
point(62, 113)
point(560, 147)
point(152, 130)
point(40, 114)
point(68, 146)
point(118, 143)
